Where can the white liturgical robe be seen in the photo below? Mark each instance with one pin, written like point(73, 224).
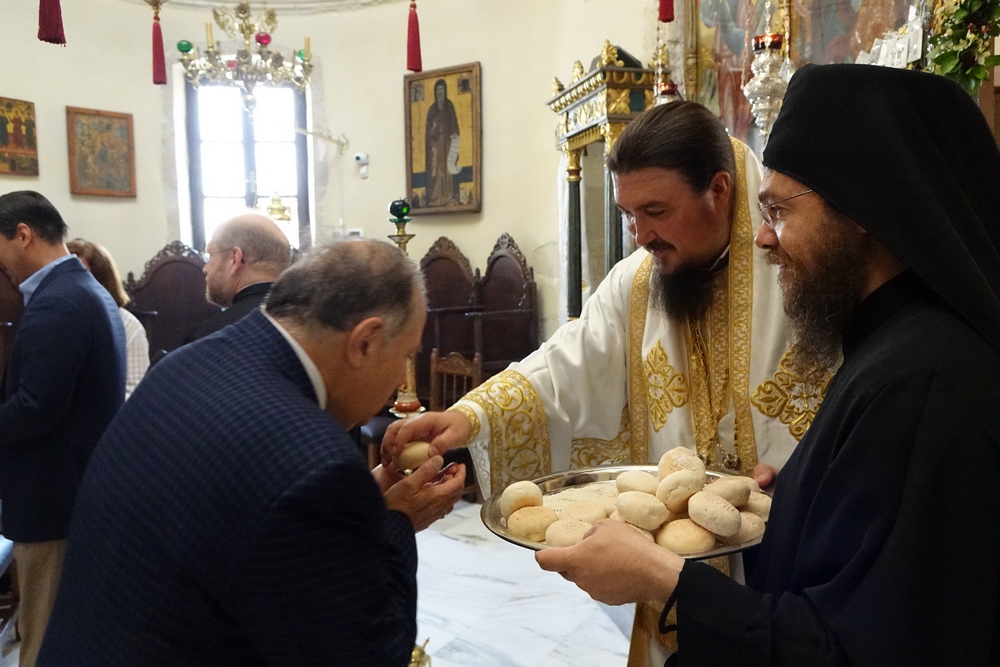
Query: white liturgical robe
point(625, 383)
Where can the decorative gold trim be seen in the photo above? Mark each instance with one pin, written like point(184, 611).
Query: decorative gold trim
point(691, 52)
point(741, 313)
point(470, 414)
point(609, 55)
point(794, 394)
point(581, 139)
point(619, 100)
point(578, 72)
point(557, 86)
point(666, 387)
point(611, 132)
point(637, 395)
point(590, 452)
point(573, 166)
point(719, 347)
point(520, 445)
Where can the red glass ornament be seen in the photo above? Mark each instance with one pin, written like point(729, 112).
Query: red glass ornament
point(231, 64)
point(263, 38)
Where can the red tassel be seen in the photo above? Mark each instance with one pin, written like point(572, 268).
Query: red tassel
point(50, 26)
point(159, 65)
point(666, 11)
point(413, 61)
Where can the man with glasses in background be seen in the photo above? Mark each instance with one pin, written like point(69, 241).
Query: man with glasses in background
point(684, 343)
point(244, 258)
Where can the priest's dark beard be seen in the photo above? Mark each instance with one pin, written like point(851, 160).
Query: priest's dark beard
point(683, 295)
point(820, 301)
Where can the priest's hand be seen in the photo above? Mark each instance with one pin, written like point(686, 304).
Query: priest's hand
point(429, 493)
point(443, 430)
point(764, 475)
point(616, 564)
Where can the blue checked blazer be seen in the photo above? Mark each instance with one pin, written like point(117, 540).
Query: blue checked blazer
point(226, 520)
point(64, 382)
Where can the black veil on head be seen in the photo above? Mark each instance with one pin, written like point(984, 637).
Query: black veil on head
point(909, 156)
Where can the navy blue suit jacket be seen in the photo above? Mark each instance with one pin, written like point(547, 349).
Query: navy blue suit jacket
point(226, 520)
point(65, 380)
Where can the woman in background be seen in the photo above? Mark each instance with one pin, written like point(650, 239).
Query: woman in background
point(100, 263)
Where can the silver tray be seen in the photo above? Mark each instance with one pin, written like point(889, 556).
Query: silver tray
point(494, 520)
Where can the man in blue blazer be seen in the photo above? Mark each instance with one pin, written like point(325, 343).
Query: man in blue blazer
point(64, 381)
point(227, 518)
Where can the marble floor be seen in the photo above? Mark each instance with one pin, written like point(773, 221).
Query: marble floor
point(484, 602)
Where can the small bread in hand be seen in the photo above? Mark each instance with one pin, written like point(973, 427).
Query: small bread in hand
point(412, 457)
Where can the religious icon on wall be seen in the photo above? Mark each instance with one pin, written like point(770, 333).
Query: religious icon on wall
point(18, 141)
point(443, 140)
point(101, 153)
point(822, 32)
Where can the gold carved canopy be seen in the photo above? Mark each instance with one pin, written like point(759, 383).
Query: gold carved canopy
point(597, 105)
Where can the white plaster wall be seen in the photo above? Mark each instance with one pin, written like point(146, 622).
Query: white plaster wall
point(105, 65)
point(521, 45)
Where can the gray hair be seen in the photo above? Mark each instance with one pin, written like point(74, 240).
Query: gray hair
point(338, 285)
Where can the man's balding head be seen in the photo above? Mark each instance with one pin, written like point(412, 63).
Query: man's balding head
point(244, 250)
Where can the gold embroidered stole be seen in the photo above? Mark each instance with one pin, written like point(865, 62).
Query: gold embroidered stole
point(719, 367)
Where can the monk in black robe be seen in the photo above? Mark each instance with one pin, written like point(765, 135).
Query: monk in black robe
point(882, 207)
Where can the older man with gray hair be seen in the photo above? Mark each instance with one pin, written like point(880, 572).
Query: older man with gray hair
point(226, 518)
point(246, 255)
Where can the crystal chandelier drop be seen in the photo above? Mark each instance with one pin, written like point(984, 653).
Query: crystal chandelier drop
point(247, 68)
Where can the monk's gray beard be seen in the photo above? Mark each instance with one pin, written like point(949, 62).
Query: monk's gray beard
point(820, 301)
point(684, 295)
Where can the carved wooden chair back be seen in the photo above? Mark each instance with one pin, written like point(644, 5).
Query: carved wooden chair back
point(452, 377)
point(507, 328)
point(451, 284)
point(169, 299)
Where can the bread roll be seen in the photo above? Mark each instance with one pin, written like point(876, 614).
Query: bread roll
point(636, 480)
point(588, 511)
point(714, 513)
point(684, 536)
point(648, 534)
point(532, 522)
point(675, 489)
point(566, 532)
point(759, 504)
point(518, 495)
point(412, 457)
point(616, 516)
point(751, 527)
point(679, 458)
point(641, 509)
point(730, 488)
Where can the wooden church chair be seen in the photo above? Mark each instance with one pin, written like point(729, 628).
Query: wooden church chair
point(505, 326)
point(169, 299)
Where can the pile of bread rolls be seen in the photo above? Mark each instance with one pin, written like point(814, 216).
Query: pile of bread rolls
point(675, 508)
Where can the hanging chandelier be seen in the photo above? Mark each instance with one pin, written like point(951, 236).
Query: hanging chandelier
point(248, 68)
point(772, 69)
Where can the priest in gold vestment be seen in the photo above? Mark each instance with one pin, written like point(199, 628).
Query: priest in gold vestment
point(685, 342)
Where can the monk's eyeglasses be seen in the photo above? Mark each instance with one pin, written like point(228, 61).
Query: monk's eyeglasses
point(769, 211)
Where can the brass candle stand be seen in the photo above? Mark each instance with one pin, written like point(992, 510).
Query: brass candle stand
point(406, 403)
